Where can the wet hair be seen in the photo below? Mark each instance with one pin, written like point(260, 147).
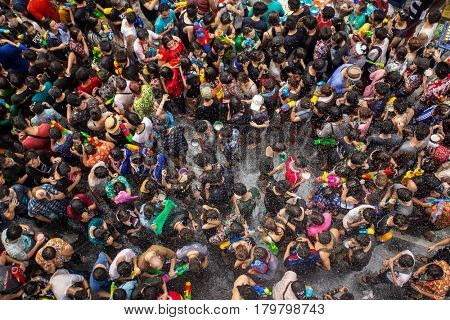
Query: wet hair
point(386, 127)
point(49, 253)
point(400, 221)
point(442, 69)
point(421, 131)
point(357, 158)
point(247, 292)
point(100, 274)
point(260, 254)
point(150, 293)
point(381, 33)
point(124, 269)
point(239, 189)
point(382, 88)
point(30, 288)
point(406, 261)
point(82, 74)
point(259, 8)
point(378, 15)
point(55, 133)
point(78, 206)
point(434, 15)
point(299, 289)
point(434, 272)
point(13, 232)
point(187, 234)
point(195, 265)
point(241, 253)
point(282, 186)
point(404, 194)
point(117, 154)
point(166, 73)
point(119, 294)
point(303, 250)
point(101, 172)
point(225, 18)
point(273, 19)
point(310, 22)
point(317, 219)
point(324, 237)
point(363, 239)
point(200, 126)
point(291, 23)
point(325, 32)
point(370, 215)
point(318, 64)
point(328, 13)
point(192, 10)
point(32, 83)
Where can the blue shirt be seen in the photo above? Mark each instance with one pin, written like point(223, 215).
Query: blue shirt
point(274, 6)
point(161, 24)
point(95, 285)
point(11, 60)
point(336, 80)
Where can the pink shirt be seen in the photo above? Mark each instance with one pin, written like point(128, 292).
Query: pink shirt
point(315, 230)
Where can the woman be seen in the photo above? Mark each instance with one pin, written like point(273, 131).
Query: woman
point(36, 138)
point(325, 245)
point(432, 280)
point(78, 49)
point(398, 28)
point(186, 24)
point(171, 50)
point(144, 102)
point(61, 144)
point(413, 77)
point(172, 83)
point(271, 231)
point(275, 29)
point(248, 87)
point(99, 31)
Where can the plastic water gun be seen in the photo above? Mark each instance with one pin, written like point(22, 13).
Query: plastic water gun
point(135, 148)
point(117, 68)
point(3, 30)
point(378, 64)
point(111, 290)
point(412, 174)
point(4, 104)
point(18, 274)
point(369, 176)
point(332, 180)
point(110, 101)
point(69, 4)
point(272, 247)
point(151, 52)
point(224, 38)
point(366, 231)
point(325, 142)
point(92, 140)
point(203, 35)
point(434, 201)
point(362, 31)
point(439, 208)
point(135, 273)
point(124, 129)
point(97, 53)
point(368, 33)
point(177, 5)
point(262, 291)
point(187, 294)
point(314, 99)
point(178, 272)
point(248, 44)
point(287, 106)
point(60, 127)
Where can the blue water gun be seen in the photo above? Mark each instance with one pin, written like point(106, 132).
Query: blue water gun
point(262, 291)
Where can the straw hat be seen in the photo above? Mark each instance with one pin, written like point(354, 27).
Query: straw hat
point(112, 124)
point(354, 73)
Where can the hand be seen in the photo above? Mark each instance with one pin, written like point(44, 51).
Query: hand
point(431, 248)
point(52, 180)
point(260, 229)
point(22, 266)
point(230, 7)
point(172, 273)
point(41, 241)
point(194, 225)
point(165, 96)
point(163, 296)
point(291, 244)
point(13, 204)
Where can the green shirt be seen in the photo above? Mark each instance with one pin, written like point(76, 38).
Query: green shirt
point(143, 106)
point(240, 40)
point(357, 21)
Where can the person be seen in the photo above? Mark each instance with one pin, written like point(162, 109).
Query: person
point(54, 254)
point(19, 242)
point(64, 286)
point(343, 76)
point(99, 279)
point(124, 266)
point(154, 258)
point(195, 255)
point(432, 280)
point(291, 288)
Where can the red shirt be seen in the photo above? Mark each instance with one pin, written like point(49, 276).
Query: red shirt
point(43, 9)
point(175, 86)
point(40, 141)
point(95, 83)
point(87, 201)
point(171, 56)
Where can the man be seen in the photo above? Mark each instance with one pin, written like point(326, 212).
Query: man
point(236, 10)
point(99, 280)
point(209, 108)
point(53, 255)
point(64, 286)
point(291, 288)
point(272, 6)
point(14, 201)
point(19, 242)
point(195, 255)
point(342, 77)
point(153, 260)
point(166, 21)
point(124, 266)
point(257, 21)
point(143, 44)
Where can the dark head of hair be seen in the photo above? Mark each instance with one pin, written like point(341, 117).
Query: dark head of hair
point(299, 289)
point(82, 74)
point(421, 131)
point(142, 34)
point(406, 261)
point(187, 234)
point(260, 254)
point(101, 172)
point(247, 292)
point(386, 127)
point(78, 206)
point(324, 237)
point(225, 18)
point(117, 154)
point(49, 253)
point(404, 194)
point(357, 158)
point(16, 79)
point(318, 64)
point(192, 10)
point(382, 88)
point(434, 272)
point(100, 274)
point(310, 22)
point(317, 219)
point(55, 133)
point(130, 17)
point(200, 126)
point(273, 19)
point(30, 55)
point(400, 221)
point(370, 215)
point(239, 189)
point(31, 288)
point(124, 269)
point(381, 33)
point(363, 240)
point(105, 46)
point(442, 69)
point(166, 73)
point(328, 12)
point(90, 149)
point(119, 294)
point(32, 83)
point(195, 265)
point(378, 16)
point(259, 8)
point(13, 232)
point(74, 99)
point(291, 23)
point(434, 15)
point(282, 186)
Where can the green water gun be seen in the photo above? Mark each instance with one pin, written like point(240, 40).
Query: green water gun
point(325, 142)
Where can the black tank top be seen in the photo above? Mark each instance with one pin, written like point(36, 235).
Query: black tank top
point(183, 36)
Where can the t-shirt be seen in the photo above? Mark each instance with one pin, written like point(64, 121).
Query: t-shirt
point(403, 276)
point(353, 215)
point(274, 6)
point(209, 113)
point(61, 281)
point(128, 30)
point(161, 23)
point(141, 49)
point(11, 60)
point(260, 26)
point(19, 249)
point(95, 285)
point(182, 253)
point(126, 255)
point(282, 290)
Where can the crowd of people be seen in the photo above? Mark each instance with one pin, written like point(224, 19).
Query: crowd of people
point(127, 124)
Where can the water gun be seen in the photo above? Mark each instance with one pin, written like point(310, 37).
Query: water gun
point(3, 30)
point(262, 291)
point(112, 289)
point(135, 273)
point(332, 180)
point(369, 176)
point(4, 104)
point(18, 274)
point(368, 33)
point(69, 4)
point(273, 247)
point(60, 127)
point(287, 106)
point(135, 148)
point(314, 99)
point(434, 201)
point(378, 64)
point(224, 38)
point(412, 174)
point(439, 208)
point(177, 5)
point(187, 295)
point(325, 142)
point(151, 53)
point(110, 101)
point(203, 36)
point(117, 68)
point(178, 272)
point(366, 231)
point(97, 53)
point(248, 44)
point(124, 129)
point(92, 140)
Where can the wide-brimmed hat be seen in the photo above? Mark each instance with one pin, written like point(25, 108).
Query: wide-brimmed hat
point(354, 73)
point(206, 92)
point(257, 102)
point(112, 124)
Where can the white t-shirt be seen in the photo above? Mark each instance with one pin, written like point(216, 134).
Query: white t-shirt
point(144, 136)
point(128, 30)
point(141, 48)
point(374, 53)
point(62, 280)
point(404, 276)
point(353, 215)
point(128, 255)
point(124, 99)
